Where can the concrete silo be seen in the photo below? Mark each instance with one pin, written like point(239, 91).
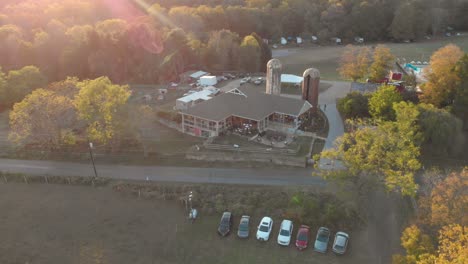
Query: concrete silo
point(273, 78)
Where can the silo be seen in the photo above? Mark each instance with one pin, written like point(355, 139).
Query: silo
point(310, 87)
point(273, 78)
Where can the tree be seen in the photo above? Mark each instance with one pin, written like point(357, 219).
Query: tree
point(250, 54)
point(449, 200)
point(265, 52)
point(410, 21)
point(439, 89)
point(50, 127)
point(453, 245)
point(354, 62)
point(223, 50)
point(22, 82)
point(460, 104)
point(100, 103)
point(388, 152)
point(418, 246)
point(354, 105)
point(381, 103)
point(442, 131)
point(3, 88)
point(381, 64)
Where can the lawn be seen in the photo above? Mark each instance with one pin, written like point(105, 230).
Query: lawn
point(73, 224)
point(326, 59)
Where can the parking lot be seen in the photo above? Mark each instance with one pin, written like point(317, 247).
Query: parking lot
point(71, 224)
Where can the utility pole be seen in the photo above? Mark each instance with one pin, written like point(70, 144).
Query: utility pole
point(90, 144)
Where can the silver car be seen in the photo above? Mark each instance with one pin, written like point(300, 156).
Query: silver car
point(340, 243)
point(321, 241)
point(243, 230)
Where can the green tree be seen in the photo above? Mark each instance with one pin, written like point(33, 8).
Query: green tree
point(222, 52)
point(442, 131)
point(381, 103)
point(460, 104)
point(50, 127)
point(439, 89)
point(22, 82)
point(100, 103)
point(250, 54)
point(354, 62)
point(410, 21)
point(388, 152)
point(265, 52)
point(382, 62)
point(354, 105)
point(3, 88)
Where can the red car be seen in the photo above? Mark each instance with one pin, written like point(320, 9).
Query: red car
point(302, 239)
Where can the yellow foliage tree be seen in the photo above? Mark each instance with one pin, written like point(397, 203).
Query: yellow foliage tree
point(100, 104)
point(439, 89)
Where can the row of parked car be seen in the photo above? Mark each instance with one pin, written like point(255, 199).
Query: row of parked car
point(285, 233)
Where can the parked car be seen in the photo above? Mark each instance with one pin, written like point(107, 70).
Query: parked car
point(285, 233)
point(264, 228)
point(225, 224)
point(243, 81)
point(302, 238)
point(340, 243)
point(258, 81)
point(321, 241)
point(243, 231)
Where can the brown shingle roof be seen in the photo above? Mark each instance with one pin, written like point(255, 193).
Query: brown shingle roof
point(252, 105)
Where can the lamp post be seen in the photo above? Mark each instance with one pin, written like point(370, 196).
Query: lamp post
point(90, 144)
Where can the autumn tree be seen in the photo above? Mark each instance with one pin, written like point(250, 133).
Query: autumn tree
point(460, 104)
point(453, 244)
point(354, 62)
point(100, 103)
point(382, 60)
point(3, 88)
point(20, 83)
point(449, 200)
point(50, 127)
point(381, 102)
point(439, 89)
point(418, 246)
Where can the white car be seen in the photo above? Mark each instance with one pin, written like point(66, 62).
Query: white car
point(341, 243)
point(264, 229)
point(285, 232)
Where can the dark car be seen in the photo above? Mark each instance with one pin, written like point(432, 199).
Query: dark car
point(302, 239)
point(243, 231)
point(225, 224)
point(321, 242)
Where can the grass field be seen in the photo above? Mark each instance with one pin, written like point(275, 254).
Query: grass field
point(58, 224)
point(296, 60)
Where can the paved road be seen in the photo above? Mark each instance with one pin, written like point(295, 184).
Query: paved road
point(165, 174)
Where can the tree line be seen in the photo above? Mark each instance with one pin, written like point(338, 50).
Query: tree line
point(87, 39)
point(371, 19)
